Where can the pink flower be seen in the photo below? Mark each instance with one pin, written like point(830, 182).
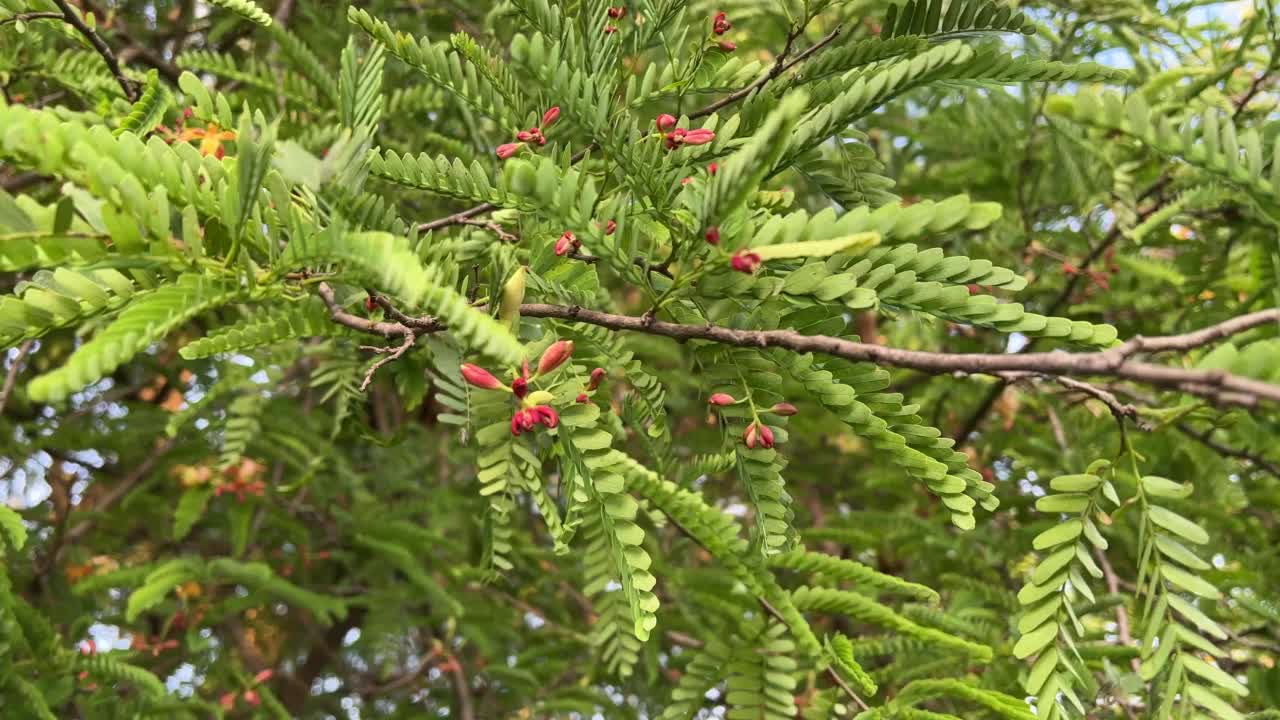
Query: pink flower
point(728, 45)
point(665, 122)
point(480, 377)
point(546, 415)
point(720, 24)
point(721, 399)
point(784, 408)
point(712, 235)
point(766, 436)
point(550, 116)
point(675, 138)
point(251, 697)
point(686, 181)
point(567, 243)
point(524, 136)
point(264, 675)
point(509, 149)
point(597, 377)
point(700, 136)
point(745, 261)
point(555, 356)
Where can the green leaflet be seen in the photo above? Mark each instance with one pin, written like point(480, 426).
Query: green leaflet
point(146, 319)
point(11, 528)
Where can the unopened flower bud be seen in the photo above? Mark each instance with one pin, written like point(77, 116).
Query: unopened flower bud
point(712, 235)
point(720, 24)
point(665, 122)
point(555, 356)
point(567, 243)
point(479, 377)
point(712, 168)
point(370, 304)
point(582, 398)
point(610, 227)
point(507, 150)
point(597, 377)
point(750, 436)
point(264, 675)
point(700, 136)
point(609, 29)
point(524, 136)
point(550, 116)
point(744, 261)
point(766, 436)
point(728, 45)
point(520, 387)
point(784, 408)
point(617, 12)
point(686, 181)
point(251, 697)
point(721, 399)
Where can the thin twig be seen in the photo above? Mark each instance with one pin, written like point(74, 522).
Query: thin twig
point(12, 377)
point(73, 19)
point(780, 65)
point(27, 17)
point(1122, 614)
point(1206, 438)
point(392, 354)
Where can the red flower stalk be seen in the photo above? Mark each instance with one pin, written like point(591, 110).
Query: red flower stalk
point(665, 122)
point(728, 45)
point(617, 12)
point(720, 24)
point(745, 261)
point(507, 150)
point(784, 408)
point(567, 243)
point(721, 399)
point(550, 116)
point(712, 235)
point(555, 356)
point(479, 377)
point(597, 377)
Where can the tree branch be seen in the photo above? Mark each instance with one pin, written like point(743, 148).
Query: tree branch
point(73, 19)
point(27, 17)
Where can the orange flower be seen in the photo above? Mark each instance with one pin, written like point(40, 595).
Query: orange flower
point(211, 138)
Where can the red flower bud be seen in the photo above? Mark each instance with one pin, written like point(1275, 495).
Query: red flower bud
point(516, 425)
point(251, 697)
point(264, 675)
point(582, 398)
point(547, 416)
point(524, 136)
point(766, 436)
point(712, 168)
point(675, 138)
point(712, 235)
point(597, 377)
point(609, 29)
point(784, 408)
point(720, 24)
point(567, 243)
point(744, 261)
point(370, 304)
point(617, 12)
point(187, 113)
point(749, 437)
point(520, 387)
point(610, 227)
point(721, 399)
point(1070, 268)
point(480, 377)
point(665, 122)
point(550, 116)
point(555, 356)
point(509, 149)
point(699, 136)
point(227, 701)
point(686, 181)
point(728, 45)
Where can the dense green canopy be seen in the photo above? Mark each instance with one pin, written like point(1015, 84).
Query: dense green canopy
point(747, 359)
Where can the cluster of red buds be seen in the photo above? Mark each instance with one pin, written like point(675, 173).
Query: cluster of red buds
point(242, 480)
point(615, 13)
point(674, 137)
point(757, 433)
point(745, 261)
point(532, 412)
point(155, 646)
point(250, 696)
point(597, 377)
point(719, 26)
point(568, 243)
point(532, 136)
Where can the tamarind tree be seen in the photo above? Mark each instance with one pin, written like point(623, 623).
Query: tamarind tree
point(660, 359)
